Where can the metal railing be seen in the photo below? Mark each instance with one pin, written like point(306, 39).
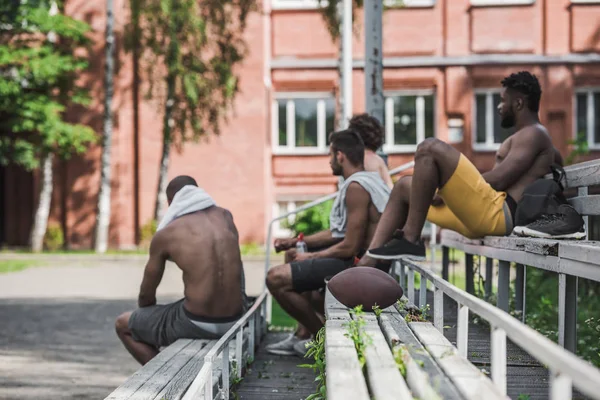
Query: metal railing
point(566, 369)
point(203, 383)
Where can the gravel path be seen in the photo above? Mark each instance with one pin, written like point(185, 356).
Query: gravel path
point(57, 337)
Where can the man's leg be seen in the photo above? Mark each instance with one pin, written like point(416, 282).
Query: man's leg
point(142, 352)
point(393, 217)
point(301, 331)
point(435, 162)
point(279, 282)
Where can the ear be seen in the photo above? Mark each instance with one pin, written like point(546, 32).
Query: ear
point(520, 103)
point(340, 157)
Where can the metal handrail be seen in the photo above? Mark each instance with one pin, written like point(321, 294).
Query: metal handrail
point(567, 370)
point(203, 381)
point(307, 206)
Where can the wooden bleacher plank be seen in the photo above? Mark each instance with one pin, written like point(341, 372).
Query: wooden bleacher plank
point(585, 251)
point(345, 379)
point(385, 380)
point(396, 331)
point(176, 387)
point(469, 380)
point(586, 205)
point(144, 374)
point(152, 387)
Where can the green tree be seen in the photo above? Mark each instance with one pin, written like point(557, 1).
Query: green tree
point(38, 72)
point(190, 49)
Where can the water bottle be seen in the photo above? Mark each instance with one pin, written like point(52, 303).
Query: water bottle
point(301, 244)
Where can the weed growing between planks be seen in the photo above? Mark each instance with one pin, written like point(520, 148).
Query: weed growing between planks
point(316, 351)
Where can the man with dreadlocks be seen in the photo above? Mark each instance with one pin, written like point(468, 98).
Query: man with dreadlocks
point(450, 192)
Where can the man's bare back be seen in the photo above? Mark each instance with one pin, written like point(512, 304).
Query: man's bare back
point(542, 156)
point(205, 246)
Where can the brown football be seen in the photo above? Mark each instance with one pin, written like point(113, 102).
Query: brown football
point(365, 285)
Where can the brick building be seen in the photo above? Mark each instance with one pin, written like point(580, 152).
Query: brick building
point(443, 63)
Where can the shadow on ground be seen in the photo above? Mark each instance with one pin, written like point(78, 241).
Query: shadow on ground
point(61, 349)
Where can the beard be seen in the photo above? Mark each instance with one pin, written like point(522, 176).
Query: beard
point(337, 169)
point(508, 121)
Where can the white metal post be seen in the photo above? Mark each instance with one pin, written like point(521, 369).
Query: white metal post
point(438, 308)
point(239, 362)
point(347, 62)
point(498, 358)
point(225, 372)
point(462, 334)
point(411, 285)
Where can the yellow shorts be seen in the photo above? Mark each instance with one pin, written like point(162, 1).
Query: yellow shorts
point(472, 207)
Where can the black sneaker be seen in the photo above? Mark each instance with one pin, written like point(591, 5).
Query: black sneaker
point(399, 248)
point(565, 224)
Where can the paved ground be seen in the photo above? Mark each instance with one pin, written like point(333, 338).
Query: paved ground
point(57, 337)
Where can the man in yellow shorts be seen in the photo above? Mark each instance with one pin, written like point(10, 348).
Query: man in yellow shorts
point(447, 189)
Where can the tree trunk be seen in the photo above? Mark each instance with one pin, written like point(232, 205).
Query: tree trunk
point(103, 218)
point(161, 195)
point(339, 99)
point(40, 222)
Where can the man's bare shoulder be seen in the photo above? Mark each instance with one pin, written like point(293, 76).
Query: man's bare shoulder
point(356, 194)
point(536, 133)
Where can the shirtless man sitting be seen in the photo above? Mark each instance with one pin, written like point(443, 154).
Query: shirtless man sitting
point(466, 201)
point(204, 245)
point(362, 198)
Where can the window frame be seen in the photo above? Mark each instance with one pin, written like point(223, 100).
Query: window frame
point(389, 121)
point(489, 144)
point(484, 3)
point(314, 4)
point(290, 148)
point(591, 120)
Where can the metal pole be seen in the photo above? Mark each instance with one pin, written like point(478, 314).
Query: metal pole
point(347, 62)
point(375, 101)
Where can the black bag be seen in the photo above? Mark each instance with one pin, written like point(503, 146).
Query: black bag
point(543, 196)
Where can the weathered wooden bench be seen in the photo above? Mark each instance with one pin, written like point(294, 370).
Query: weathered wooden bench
point(402, 360)
point(194, 369)
point(570, 259)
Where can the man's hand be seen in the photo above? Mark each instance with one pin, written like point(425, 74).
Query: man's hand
point(303, 256)
point(284, 244)
point(153, 272)
point(437, 201)
point(146, 301)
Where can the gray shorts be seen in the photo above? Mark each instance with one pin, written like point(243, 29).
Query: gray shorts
point(161, 325)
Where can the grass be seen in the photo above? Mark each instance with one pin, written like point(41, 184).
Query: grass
point(280, 318)
point(15, 265)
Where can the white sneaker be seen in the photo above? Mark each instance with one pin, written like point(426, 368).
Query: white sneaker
point(285, 347)
point(300, 348)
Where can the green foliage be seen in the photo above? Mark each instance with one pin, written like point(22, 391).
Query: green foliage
point(54, 238)
point(377, 310)
point(147, 231)
point(311, 221)
point(38, 72)
point(523, 397)
point(316, 351)
point(357, 334)
point(15, 265)
point(200, 44)
point(399, 354)
point(580, 148)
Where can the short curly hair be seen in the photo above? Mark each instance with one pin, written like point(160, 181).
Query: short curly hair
point(525, 83)
point(369, 129)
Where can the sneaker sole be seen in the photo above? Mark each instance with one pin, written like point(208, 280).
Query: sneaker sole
point(526, 232)
point(281, 352)
point(410, 257)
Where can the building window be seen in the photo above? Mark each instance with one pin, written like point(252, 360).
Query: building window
point(409, 119)
point(587, 108)
point(310, 4)
point(500, 2)
point(302, 123)
point(489, 134)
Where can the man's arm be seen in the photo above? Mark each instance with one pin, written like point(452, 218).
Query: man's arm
point(155, 267)
point(321, 239)
point(523, 151)
point(357, 206)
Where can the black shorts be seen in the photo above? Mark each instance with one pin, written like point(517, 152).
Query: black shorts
point(310, 274)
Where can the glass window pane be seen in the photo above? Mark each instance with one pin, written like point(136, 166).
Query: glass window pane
point(282, 106)
point(480, 118)
point(582, 106)
point(329, 118)
point(306, 122)
point(500, 133)
point(405, 120)
point(596, 119)
point(429, 116)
